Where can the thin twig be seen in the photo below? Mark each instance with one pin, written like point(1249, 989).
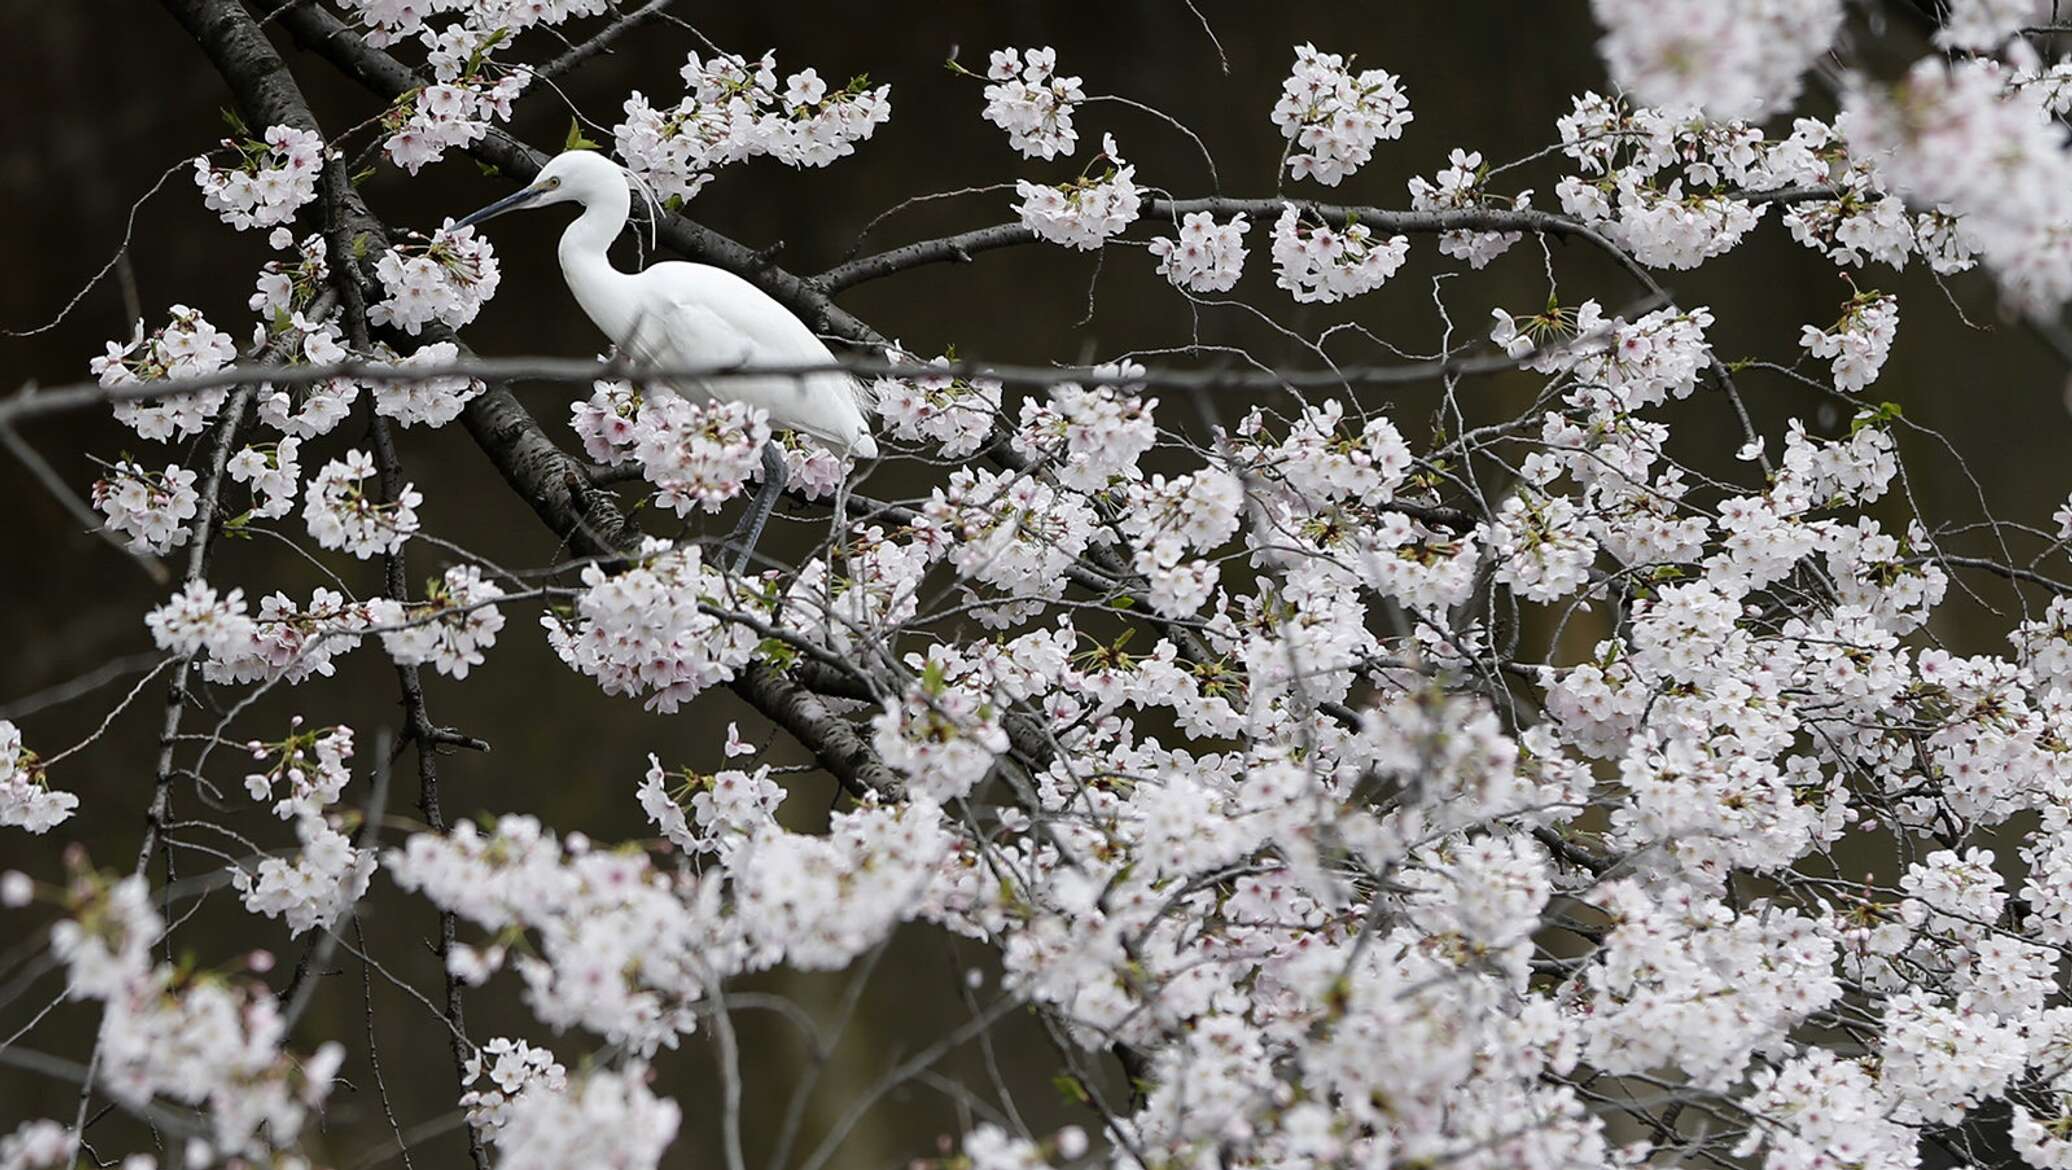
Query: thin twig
point(64, 495)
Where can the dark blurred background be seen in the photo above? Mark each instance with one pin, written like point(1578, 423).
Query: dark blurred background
point(104, 95)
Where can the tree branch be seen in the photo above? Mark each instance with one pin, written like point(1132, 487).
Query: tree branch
point(962, 246)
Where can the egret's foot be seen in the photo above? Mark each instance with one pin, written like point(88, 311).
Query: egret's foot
point(745, 535)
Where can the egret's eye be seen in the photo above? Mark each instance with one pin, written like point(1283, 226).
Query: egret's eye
point(554, 182)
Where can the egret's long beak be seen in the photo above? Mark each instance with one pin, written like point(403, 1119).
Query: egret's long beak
point(510, 202)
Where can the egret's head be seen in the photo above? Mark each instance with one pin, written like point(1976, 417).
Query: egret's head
point(574, 176)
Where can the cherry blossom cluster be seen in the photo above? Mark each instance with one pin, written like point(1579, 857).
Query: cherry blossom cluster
point(150, 508)
point(1206, 257)
point(187, 347)
point(388, 21)
point(848, 599)
point(1459, 187)
point(272, 473)
point(608, 422)
point(650, 630)
point(1316, 262)
point(1032, 103)
point(811, 468)
point(514, 1068)
point(698, 455)
point(286, 295)
point(607, 1117)
point(941, 737)
point(817, 902)
point(1957, 136)
point(1016, 534)
point(308, 771)
point(586, 912)
point(272, 180)
point(1970, 143)
point(1733, 58)
point(196, 618)
point(289, 285)
point(710, 812)
point(433, 401)
point(446, 279)
point(1085, 212)
point(27, 800)
point(312, 888)
point(45, 1143)
point(956, 413)
point(1864, 223)
point(281, 642)
point(1168, 521)
point(812, 900)
point(1332, 117)
point(341, 515)
point(1859, 342)
point(734, 110)
point(1676, 189)
point(207, 1040)
point(1987, 24)
point(1664, 183)
point(988, 1147)
point(450, 628)
point(470, 92)
point(1090, 437)
point(2052, 82)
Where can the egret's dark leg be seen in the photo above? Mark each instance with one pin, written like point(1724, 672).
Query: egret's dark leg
point(750, 529)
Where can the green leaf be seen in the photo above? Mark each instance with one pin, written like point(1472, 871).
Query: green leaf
point(576, 139)
point(1070, 1089)
point(1878, 416)
point(482, 51)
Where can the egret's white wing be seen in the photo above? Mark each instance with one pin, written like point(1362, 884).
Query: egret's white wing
point(708, 316)
point(679, 335)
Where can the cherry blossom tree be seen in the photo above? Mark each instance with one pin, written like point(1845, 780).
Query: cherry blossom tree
point(1331, 784)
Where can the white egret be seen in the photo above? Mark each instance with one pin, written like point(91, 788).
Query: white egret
point(680, 314)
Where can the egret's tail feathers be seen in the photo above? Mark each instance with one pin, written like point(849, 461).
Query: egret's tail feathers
point(865, 447)
point(866, 396)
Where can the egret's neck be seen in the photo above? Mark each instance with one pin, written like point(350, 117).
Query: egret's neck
point(584, 243)
point(586, 261)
